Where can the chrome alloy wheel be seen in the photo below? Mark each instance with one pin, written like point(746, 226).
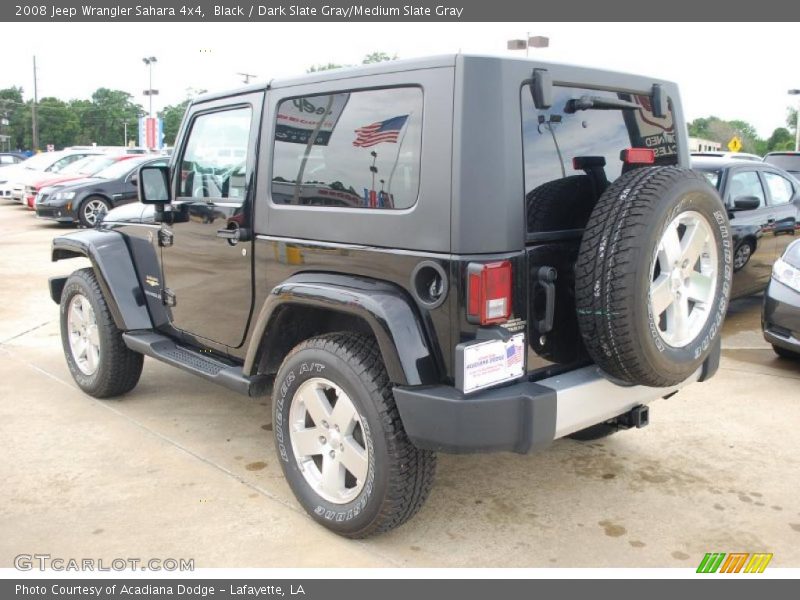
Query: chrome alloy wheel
point(742, 256)
point(328, 440)
point(84, 339)
point(93, 210)
point(683, 279)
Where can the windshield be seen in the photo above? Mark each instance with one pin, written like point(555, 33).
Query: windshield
point(41, 161)
point(119, 169)
point(787, 162)
point(88, 165)
point(711, 175)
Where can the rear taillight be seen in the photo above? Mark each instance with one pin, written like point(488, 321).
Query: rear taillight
point(638, 156)
point(489, 292)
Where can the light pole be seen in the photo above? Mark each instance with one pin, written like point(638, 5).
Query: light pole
point(796, 123)
point(149, 61)
point(536, 41)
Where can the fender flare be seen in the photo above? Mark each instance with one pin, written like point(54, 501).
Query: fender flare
point(387, 310)
point(113, 265)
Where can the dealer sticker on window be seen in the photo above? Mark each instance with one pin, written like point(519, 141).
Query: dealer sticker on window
point(493, 362)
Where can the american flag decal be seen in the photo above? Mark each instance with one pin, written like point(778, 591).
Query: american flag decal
point(382, 131)
point(513, 355)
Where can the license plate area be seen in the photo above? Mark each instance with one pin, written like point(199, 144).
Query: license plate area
point(482, 364)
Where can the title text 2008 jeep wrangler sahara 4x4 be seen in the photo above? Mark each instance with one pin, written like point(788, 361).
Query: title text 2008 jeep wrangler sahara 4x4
point(455, 254)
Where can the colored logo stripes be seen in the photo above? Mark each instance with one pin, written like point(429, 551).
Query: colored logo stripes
point(734, 562)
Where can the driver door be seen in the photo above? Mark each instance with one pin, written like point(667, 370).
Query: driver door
point(207, 271)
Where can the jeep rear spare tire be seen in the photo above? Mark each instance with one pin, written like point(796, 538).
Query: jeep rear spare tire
point(653, 275)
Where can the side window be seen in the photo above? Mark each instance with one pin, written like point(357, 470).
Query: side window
point(214, 161)
point(780, 188)
point(7, 160)
point(572, 154)
point(351, 150)
point(745, 183)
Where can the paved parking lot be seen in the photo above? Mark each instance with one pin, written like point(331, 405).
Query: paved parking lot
point(181, 468)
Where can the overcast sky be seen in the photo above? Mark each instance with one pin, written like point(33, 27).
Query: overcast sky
point(732, 70)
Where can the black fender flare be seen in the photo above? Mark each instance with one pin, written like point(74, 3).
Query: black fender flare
point(113, 265)
point(386, 308)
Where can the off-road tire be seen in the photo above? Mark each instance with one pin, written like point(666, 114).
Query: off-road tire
point(561, 204)
point(400, 475)
point(119, 368)
point(784, 353)
point(614, 273)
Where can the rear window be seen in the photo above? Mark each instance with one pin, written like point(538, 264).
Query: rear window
point(570, 158)
point(787, 162)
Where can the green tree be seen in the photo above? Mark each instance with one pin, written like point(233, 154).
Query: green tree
point(14, 109)
point(718, 130)
point(376, 57)
point(58, 125)
point(781, 139)
point(325, 67)
point(791, 119)
point(173, 116)
point(103, 120)
point(372, 57)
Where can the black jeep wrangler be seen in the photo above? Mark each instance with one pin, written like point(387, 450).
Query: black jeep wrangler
point(453, 254)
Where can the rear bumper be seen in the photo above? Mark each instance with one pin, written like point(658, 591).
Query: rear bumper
point(525, 416)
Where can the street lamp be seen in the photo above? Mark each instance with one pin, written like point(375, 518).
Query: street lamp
point(536, 41)
point(149, 61)
point(796, 123)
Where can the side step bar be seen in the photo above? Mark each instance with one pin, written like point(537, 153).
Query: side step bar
point(166, 350)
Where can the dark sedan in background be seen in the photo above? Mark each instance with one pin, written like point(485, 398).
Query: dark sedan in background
point(86, 200)
point(763, 204)
point(788, 161)
point(781, 317)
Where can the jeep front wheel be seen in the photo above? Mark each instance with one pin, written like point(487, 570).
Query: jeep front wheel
point(340, 441)
point(97, 358)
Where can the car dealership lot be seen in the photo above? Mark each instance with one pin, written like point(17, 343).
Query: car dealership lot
point(184, 469)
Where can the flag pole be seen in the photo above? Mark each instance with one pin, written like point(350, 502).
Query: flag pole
point(397, 158)
point(311, 140)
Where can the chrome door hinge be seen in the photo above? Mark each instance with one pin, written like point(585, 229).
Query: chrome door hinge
point(165, 238)
point(168, 297)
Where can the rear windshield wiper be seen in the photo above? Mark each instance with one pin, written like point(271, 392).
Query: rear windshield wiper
point(598, 103)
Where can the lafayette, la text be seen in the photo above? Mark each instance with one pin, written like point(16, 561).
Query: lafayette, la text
point(346, 12)
point(149, 589)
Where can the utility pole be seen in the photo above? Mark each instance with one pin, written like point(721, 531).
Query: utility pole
point(34, 124)
point(247, 77)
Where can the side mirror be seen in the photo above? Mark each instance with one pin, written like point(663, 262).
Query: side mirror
point(134, 180)
point(746, 203)
point(154, 185)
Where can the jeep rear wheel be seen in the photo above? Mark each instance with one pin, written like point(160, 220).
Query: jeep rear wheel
point(653, 276)
point(97, 358)
point(340, 441)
